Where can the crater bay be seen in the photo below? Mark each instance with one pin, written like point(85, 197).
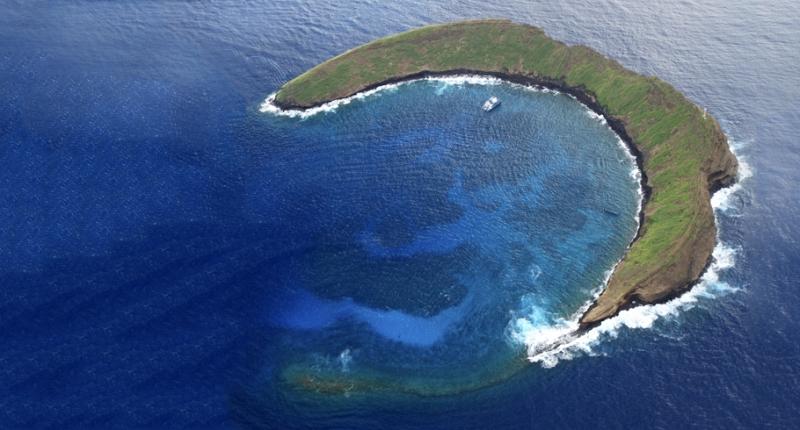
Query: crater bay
point(682, 151)
point(452, 233)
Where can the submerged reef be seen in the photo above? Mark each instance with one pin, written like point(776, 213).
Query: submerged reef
point(681, 151)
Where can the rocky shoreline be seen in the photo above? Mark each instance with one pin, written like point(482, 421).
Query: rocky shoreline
point(690, 257)
point(532, 81)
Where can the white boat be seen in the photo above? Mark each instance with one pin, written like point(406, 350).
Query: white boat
point(491, 103)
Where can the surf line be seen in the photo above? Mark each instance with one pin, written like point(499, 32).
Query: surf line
point(269, 106)
point(472, 77)
point(566, 340)
point(563, 333)
point(547, 345)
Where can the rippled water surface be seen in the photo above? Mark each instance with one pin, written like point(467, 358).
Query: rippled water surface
point(448, 233)
point(174, 257)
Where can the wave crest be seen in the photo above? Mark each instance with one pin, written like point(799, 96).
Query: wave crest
point(549, 339)
point(547, 343)
point(269, 106)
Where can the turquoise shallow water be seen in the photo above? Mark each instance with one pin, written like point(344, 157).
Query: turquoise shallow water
point(153, 224)
point(445, 224)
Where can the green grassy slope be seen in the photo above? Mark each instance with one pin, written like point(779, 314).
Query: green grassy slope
point(684, 152)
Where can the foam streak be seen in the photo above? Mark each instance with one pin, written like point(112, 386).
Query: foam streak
point(549, 344)
point(269, 106)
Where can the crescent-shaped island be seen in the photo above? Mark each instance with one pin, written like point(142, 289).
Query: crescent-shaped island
point(681, 151)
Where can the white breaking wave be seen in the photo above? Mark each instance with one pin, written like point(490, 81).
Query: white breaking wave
point(464, 79)
point(547, 344)
point(550, 344)
point(269, 106)
point(722, 199)
point(345, 358)
point(549, 341)
point(597, 116)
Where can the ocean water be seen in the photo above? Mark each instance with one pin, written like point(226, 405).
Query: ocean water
point(451, 232)
point(172, 255)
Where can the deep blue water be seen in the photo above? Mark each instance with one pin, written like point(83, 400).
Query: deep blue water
point(168, 250)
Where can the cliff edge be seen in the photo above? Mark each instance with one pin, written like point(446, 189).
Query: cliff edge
point(682, 152)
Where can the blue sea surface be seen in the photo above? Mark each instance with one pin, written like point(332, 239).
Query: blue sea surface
point(437, 222)
point(173, 257)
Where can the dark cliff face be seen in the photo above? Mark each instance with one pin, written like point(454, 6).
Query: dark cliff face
point(720, 170)
point(682, 153)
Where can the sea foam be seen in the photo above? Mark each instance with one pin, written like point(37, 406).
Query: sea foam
point(547, 344)
point(269, 106)
point(549, 339)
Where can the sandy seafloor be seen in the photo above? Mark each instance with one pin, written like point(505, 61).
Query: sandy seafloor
point(139, 173)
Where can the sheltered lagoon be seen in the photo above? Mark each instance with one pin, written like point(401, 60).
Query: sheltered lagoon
point(494, 225)
point(682, 152)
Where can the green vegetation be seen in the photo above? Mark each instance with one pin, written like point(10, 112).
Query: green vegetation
point(683, 151)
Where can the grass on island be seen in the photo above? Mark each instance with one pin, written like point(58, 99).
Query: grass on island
point(680, 145)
